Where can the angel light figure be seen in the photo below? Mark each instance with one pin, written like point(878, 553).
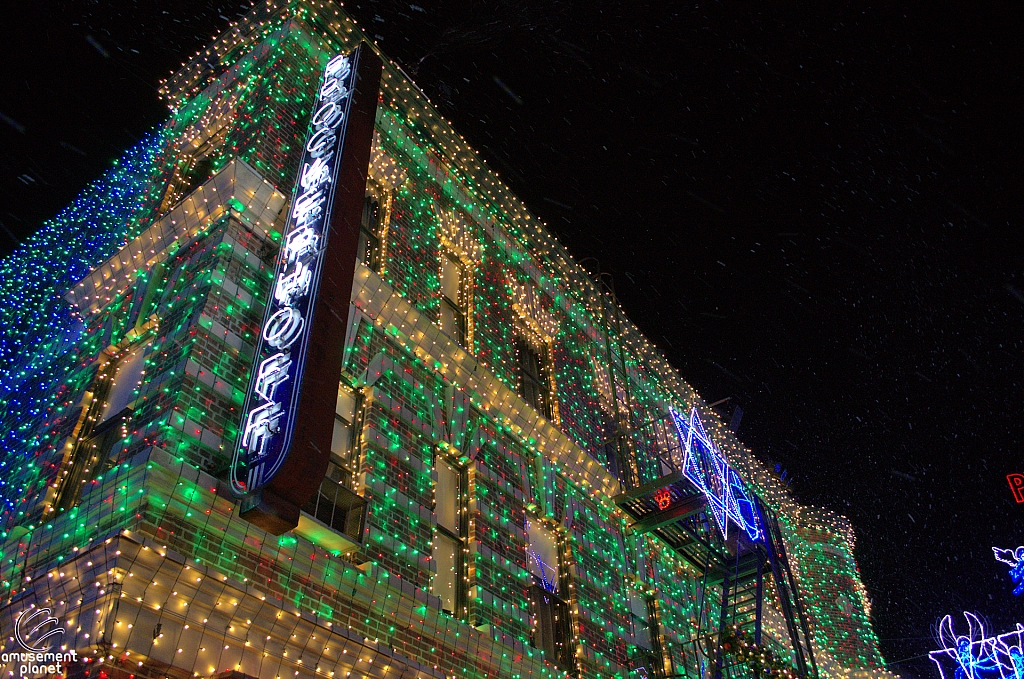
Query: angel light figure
point(1016, 655)
point(1010, 653)
point(975, 654)
point(1015, 559)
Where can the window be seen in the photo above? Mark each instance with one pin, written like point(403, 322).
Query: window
point(369, 247)
point(451, 317)
point(533, 385)
point(116, 391)
point(89, 458)
point(337, 503)
point(543, 556)
point(551, 632)
point(446, 580)
point(551, 626)
point(191, 171)
point(448, 538)
point(609, 445)
point(344, 424)
point(345, 452)
point(640, 618)
point(645, 660)
point(448, 504)
point(338, 508)
point(124, 382)
point(199, 171)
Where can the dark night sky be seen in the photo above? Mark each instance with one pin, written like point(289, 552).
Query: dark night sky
point(814, 209)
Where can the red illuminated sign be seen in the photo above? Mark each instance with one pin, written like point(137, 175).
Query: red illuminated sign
point(663, 497)
point(1017, 486)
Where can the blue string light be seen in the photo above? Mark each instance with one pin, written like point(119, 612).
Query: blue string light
point(40, 335)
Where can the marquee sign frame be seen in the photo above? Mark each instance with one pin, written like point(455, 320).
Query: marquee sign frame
point(283, 447)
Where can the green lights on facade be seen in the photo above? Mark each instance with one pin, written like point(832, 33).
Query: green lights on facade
point(150, 503)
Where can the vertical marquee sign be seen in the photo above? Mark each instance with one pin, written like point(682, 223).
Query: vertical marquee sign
point(284, 439)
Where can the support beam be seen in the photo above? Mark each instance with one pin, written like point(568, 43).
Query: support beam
point(647, 488)
point(680, 510)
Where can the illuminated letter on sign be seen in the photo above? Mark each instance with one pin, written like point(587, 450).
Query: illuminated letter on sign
point(1017, 486)
point(276, 431)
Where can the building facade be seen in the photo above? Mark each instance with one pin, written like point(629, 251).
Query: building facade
point(517, 484)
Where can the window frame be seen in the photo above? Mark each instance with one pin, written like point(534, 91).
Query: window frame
point(90, 452)
point(374, 240)
point(552, 628)
point(550, 611)
point(540, 352)
point(338, 503)
point(535, 528)
point(459, 308)
point(369, 248)
point(344, 468)
point(339, 508)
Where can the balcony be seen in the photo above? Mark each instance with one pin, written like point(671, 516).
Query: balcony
point(334, 518)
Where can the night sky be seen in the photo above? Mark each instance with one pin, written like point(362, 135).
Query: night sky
point(814, 210)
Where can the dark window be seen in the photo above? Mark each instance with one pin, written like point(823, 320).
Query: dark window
point(551, 626)
point(532, 383)
point(198, 173)
point(369, 233)
point(90, 458)
point(339, 508)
